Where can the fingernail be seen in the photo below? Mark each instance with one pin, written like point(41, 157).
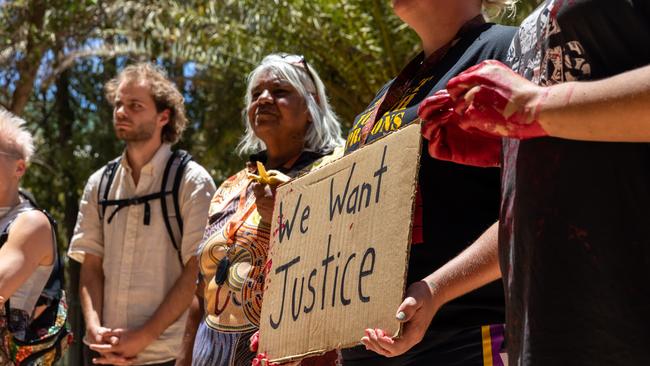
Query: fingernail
point(401, 315)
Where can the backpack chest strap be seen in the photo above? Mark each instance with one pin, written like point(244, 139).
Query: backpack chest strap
point(168, 195)
point(126, 202)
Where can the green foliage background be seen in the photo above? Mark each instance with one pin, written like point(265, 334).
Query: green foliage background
point(55, 56)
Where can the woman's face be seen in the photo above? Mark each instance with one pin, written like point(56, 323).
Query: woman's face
point(413, 12)
point(405, 9)
point(277, 113)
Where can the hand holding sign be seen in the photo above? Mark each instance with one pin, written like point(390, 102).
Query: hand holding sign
point(261, 359)
point(416, 312)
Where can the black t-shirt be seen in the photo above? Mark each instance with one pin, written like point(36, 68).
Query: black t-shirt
point(575, 215)
point(458, 202)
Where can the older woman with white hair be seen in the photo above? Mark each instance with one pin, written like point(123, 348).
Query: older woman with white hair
point(289, 126)
point(454, 204)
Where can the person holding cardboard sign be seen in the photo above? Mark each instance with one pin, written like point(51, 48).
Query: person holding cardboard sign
point(454, 204)
point(574, 240)
point(289, 127)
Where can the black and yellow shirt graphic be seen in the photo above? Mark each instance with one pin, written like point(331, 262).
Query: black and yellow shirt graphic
point(401, 114)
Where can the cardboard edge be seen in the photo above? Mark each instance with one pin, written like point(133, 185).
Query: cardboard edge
point(313, 353)
point(413, 202)
point(321, 166)
point(417, 121)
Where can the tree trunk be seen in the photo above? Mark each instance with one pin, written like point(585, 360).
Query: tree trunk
point(28, 66)
point(65, 119)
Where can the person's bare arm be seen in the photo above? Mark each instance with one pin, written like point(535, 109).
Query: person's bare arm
point(177, 300)
point(476, 266)
point(612, 109)
point(91, 295)
point(191, 326)
point(29, 245)
point(491, 98)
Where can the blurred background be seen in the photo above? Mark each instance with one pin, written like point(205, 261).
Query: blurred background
point(56, 55)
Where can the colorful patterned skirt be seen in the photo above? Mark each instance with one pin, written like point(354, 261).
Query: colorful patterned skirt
point(215, 348)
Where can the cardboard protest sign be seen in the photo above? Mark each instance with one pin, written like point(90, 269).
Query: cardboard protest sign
point(339, 249)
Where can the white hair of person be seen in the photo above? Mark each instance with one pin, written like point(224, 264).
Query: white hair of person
point(324, 131)
point(14, 137)
point(494, 8)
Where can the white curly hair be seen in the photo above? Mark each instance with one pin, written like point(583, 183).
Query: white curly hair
point(324, 133)
point(15, 140)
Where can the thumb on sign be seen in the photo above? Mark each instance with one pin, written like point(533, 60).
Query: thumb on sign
point(415, 312)
point(407, 309)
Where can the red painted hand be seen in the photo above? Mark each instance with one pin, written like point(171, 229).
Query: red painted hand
point(492, 98)
point(262, 360)
point(448, 141)
point(254, 341)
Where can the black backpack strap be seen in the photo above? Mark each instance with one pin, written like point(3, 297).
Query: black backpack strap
point(126, 202)
point(105, 185)
point(172, 178)
point(171, 182)
point(29, 197)
point(104, 189)
point(4, 236)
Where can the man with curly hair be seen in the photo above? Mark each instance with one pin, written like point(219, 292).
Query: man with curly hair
point(137, 281)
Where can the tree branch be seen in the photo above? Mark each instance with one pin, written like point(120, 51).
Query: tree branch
point(70, 58)
point(28, 66)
